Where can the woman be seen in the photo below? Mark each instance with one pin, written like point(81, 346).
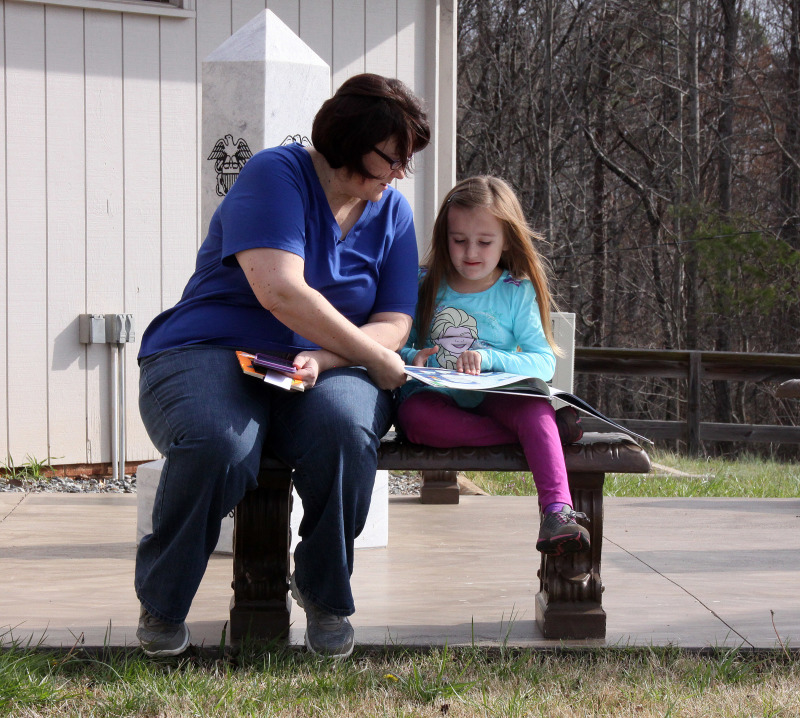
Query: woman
point(312, 255)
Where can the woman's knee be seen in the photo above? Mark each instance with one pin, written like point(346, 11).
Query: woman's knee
point(348, 408)
point(225, 445)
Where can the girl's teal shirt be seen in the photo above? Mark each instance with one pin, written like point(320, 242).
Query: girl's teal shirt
point(502, 324)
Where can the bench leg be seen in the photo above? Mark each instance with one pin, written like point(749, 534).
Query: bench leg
point(261, 539)
point(569, 602)
point(439, 487)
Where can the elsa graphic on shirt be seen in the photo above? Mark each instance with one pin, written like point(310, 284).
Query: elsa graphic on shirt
point(453, 331)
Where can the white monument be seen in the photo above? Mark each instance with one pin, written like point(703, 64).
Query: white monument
point(262, 86)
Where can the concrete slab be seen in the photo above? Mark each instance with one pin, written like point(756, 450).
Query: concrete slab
point(686, 572)
point(734, 559)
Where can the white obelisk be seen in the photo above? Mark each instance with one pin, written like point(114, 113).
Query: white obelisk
point(260, 86)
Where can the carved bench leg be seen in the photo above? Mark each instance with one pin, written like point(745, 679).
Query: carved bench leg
point(569, 602)
point(439, 487)
point(261, 539)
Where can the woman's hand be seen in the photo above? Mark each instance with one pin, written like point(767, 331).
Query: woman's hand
point(421, 357)
point(387, 370)
point(469, 362)
point(307, 369)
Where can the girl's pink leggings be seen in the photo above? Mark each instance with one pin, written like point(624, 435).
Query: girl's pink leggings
point(434, 419)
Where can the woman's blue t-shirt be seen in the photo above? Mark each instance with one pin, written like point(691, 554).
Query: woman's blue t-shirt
point(278, 202)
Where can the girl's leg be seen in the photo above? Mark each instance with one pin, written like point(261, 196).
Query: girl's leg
point(533, 424)
point(434, 419)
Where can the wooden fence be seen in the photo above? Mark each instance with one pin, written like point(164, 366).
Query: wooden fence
point(695, 367)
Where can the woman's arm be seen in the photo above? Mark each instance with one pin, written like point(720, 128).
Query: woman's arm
point(389, 329)
point(276, 278)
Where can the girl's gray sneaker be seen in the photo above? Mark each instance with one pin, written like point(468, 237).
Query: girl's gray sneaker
point(560, 533)
point(326, 634)
point(159, 638)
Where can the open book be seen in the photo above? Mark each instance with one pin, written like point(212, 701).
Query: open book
point(506, 383)
point(270, 376)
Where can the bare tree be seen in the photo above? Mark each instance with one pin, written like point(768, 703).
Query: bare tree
point(657, 145)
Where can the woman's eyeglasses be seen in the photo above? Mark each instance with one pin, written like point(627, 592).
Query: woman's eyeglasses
point(393, 164)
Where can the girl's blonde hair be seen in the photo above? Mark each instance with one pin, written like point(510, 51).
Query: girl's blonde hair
point(520, 258)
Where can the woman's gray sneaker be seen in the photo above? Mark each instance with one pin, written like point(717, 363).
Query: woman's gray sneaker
point(159, 638)
point(326, 634)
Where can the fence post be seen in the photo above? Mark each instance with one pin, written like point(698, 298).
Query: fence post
point(693, 404)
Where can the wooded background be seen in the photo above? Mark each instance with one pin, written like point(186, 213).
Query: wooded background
point(656, 145)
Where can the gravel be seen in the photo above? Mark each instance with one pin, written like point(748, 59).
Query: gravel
point(70, 485)
point(400, 484)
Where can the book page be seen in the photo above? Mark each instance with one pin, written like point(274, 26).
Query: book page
point(485, 381)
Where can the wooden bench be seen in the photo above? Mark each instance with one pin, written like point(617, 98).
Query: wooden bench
point(569, 601)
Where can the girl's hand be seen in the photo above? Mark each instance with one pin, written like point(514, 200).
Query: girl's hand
point(307, 369)
point(469, 362)
point(421, 357)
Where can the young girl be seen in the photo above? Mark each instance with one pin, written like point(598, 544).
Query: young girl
point(484, 305)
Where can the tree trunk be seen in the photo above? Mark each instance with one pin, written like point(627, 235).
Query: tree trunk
point(730, 27)
point(790, 175)
point(693, 200)
point(598, 220)
point(548, 117)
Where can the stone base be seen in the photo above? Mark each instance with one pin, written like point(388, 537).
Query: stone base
point(562, 620)
point(252, 618)
point(374, 535)
point(439, 487)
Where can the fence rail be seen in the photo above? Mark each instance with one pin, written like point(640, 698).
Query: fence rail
point(695, 367)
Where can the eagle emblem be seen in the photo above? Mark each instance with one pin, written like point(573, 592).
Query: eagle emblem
point(229, 158)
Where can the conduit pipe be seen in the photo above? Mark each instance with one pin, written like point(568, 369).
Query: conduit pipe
point(115, 330)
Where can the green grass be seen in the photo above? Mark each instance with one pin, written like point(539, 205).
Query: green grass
point(32, 469)
point(744, 477)
point(454, 682)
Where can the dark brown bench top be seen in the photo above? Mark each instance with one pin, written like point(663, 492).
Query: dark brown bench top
point(594, 453)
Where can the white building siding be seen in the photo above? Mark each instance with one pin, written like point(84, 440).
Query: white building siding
point(104, 202)
point(100, 115)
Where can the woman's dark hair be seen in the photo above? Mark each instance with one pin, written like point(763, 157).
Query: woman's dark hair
point(365, 111)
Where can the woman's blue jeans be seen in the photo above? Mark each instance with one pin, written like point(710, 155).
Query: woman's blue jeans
point(211, 421)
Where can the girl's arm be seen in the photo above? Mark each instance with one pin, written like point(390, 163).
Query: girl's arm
point(539, 362)
point(536, 356)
